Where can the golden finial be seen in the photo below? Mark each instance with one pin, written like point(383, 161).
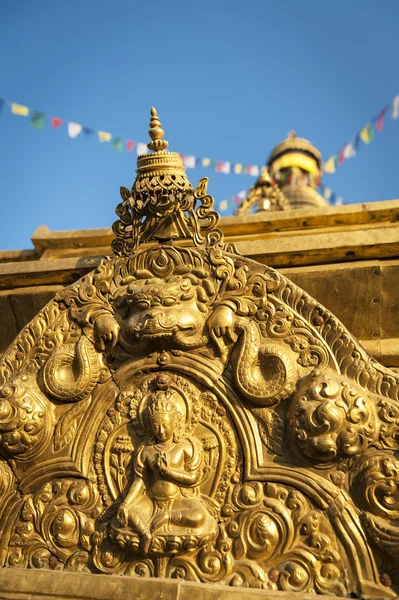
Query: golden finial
point(156, 133)
point(291, 135)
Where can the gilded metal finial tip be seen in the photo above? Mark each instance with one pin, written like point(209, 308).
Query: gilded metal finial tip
point(291, 135)
point(156, 133)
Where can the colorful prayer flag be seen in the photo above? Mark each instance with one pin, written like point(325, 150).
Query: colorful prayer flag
point(254, 170)
point(224, 205)
point(130, 145)
point(349, 151)
point(38, 120)
point(327, 193)
point(19, 109)
point(395, 107)
point(206, 162)
point(87, 131)
point(331, 164)
point(189, 162)
point(366, 133)
point(117, 144)
point(56, 122)
point(341, 157)
point(223, 167)
point(380, 119)
point(142, 148)
point(103, 136)
point(2, 103)
point(74, 129)
point(237, 168)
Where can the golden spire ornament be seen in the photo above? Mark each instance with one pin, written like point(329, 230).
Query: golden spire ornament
point(156, 133)
point(159, 163)
point(162, 204)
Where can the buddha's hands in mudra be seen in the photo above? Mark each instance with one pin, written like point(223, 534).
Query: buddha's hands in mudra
point(163, 465)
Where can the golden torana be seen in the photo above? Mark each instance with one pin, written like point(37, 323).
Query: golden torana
point(185, 412)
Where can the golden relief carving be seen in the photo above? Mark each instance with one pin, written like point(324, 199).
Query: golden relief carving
point(182, 411)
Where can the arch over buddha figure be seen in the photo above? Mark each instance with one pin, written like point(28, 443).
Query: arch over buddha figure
point(183, 411)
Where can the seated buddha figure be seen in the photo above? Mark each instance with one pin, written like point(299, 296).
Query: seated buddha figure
point(164, 500)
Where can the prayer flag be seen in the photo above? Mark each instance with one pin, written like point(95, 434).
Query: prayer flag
point(224, 205)
point(380, 119)
point(366, 133)
point(349, 151)
point(2, 103)
point(327, 193)
point(341, 158)
point(103, 136)
point(88, 131)
point(339, 201)
point(395, 107)
point(130, 145)
point(56, 122)
point(223, 167)
point(356, 143)
point(19, 109)
point(141, 148)
point(254, 170)
point(242, 194)
point(38, 120)
point(74, 129)
point(198, 162)
point(117, 144)
point(238, 168)
point(189, 162)
point(206, 162)
point(331, 164)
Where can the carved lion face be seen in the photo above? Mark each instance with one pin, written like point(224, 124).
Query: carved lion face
point(162, 310)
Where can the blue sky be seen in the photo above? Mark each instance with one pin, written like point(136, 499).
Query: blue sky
point(230, 79)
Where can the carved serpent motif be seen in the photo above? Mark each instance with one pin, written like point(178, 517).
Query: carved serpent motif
point(72, 371)
point(263, 374)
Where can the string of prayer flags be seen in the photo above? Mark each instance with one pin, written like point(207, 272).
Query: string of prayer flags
point(365, 135)
point(38, 121)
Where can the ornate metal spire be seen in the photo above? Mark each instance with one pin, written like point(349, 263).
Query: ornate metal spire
point(160, 169)
point(156, 133)
point(162, 204)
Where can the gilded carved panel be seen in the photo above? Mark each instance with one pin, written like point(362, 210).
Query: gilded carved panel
point(185, 412)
